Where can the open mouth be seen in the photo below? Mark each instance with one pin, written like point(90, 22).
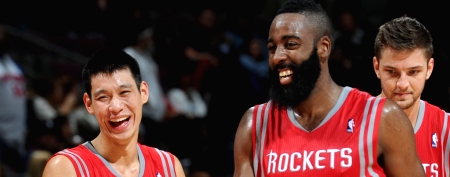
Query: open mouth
point(119, 122)
point(285, 77)
point(284, 74)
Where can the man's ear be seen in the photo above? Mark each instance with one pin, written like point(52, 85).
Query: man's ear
point(324, 48)
point(376, 67)
point(88, 103)
point(144, 92)
point(430, 67)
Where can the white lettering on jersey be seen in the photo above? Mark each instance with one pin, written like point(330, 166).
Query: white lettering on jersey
point(292, 159)
point(433, 168)
point(296, 161)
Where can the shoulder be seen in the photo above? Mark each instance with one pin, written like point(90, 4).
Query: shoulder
point(153, 151)
point(165, 157)
point(59, 165)
point(393, 117)
point(355, 96)
point(433, 114)
point(145, 148)
point(247, 118)
point(248, 114)
point(391, 109)
point(432, 108)
point(393, 121)
point(179, 171)
point(246, 123)
point(358, 93)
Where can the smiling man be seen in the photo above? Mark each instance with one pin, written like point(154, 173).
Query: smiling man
point(115, 94)
point(311, 126)
point(403, 63)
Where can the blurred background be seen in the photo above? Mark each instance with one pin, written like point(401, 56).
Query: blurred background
point(205, 62)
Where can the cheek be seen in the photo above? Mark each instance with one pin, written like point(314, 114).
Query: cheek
point(100, 109)
point(418, 84)
point(388, 83)
point(131, 103)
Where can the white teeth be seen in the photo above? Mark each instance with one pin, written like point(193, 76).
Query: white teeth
point(285, 73)
point(118, 120)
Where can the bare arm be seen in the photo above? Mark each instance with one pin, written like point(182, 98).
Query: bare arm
point(178, 168)
point(243, 146)
point(59, 166)
point(397, 143)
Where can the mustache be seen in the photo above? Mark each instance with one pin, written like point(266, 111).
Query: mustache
point(284, 65)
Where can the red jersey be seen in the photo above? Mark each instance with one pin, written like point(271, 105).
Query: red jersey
point(432, 139)
point(89, 163)
point(344, 144)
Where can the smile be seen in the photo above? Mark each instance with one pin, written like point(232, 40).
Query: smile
point(119, 120)
point(286, 73)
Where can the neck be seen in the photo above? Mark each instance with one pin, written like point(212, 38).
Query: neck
point(322, 99)
point(115, 153)
point(413, 112)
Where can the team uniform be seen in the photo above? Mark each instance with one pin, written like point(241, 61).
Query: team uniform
point(432, 139)
point(344, 144)
point(89, 163)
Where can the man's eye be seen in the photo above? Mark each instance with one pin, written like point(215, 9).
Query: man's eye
point(291, 44)
point(413, 72)
point(102, 97)
point(391, 71)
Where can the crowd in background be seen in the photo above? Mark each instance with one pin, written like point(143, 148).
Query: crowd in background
point(205, 62)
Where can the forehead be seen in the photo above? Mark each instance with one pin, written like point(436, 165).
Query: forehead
point(393, 57)
point(118, 77)
point(290, 24)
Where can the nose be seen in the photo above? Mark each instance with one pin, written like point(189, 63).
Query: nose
point(279, 55)
point(402, 82)
point(116, 105)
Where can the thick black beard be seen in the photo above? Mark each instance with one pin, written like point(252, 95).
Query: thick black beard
point(304, 78)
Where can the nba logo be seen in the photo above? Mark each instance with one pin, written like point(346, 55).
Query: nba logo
point(158, 174)
point(350, 125)
point(434, 140)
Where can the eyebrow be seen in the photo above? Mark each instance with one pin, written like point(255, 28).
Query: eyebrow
point(412, 67)
point(284, 38)
point(101, 91)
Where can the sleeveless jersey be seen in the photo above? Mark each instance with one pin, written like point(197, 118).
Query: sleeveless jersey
point(89, 163)
point(344, 144)
point(432, 139)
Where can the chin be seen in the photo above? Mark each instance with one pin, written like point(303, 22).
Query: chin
point(404, 104)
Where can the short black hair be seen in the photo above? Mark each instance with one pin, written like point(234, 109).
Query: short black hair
point(403, 33)
point(314, 13)
point(109, 60)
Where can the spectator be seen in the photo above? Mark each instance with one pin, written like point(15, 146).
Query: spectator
point(13, 155)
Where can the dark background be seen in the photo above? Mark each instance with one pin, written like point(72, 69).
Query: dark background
point(52, 36)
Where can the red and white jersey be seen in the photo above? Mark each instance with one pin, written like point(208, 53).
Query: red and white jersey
point(432, 139)
point(89, 163)
point(344, 144)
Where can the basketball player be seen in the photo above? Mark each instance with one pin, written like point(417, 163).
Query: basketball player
point(402, 62)
point(115, 94)
point(303, 130)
